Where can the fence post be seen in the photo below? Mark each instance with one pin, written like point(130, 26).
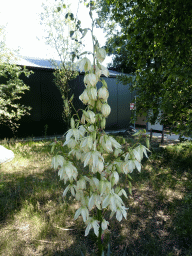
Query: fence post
point(162, 137)
point(150, 135)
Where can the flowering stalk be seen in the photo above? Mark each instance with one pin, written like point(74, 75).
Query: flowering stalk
point(99, 187)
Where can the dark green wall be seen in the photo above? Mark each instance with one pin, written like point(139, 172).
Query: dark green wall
point(45, 100)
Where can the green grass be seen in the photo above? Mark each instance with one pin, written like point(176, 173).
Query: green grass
point(36, 220)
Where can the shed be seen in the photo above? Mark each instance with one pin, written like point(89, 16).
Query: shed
point(47, 106)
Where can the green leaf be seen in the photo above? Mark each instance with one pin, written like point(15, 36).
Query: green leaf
point(130, 188)
point(128, 175)
point(124, 253)
point(82, 254)
point(147, 143)
point(72, 33)
point(71, 16)
point(71, 99)
point(109, 250)
point(104, 83)
point(84, 32)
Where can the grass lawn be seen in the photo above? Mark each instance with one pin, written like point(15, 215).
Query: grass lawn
point(36, 220)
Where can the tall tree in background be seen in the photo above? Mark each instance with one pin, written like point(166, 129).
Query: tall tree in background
point(11, 88)
point(153, 38)
point(62, 35)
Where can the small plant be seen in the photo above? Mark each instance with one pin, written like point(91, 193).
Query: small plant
point(45, 129)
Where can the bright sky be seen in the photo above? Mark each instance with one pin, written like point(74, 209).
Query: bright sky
point(24, 32)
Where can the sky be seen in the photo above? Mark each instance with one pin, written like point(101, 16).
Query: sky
point(25, 33)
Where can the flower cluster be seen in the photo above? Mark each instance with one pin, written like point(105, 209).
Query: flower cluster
point(99, 188)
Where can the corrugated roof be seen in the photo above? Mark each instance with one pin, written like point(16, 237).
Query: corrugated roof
point(45, 63)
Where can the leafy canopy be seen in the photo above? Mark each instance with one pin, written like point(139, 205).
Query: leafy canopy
point(11, 87)
point(152, 39)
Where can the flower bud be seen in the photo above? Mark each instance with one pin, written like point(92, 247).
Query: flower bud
point(104, 71)
point(98, 105)
point(72, 123)
point(85, 64)
point(103, 93)
point(104, 224)
point(100, 54)
point(90, 116)
point(105, 109)
point(90, 80)
point(84, 97)
point(92, 93)
point(83, 119)
point(94, 135)
point(103, 123)
point(97, 72)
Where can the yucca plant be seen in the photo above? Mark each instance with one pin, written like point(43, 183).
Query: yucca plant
point(104, 159)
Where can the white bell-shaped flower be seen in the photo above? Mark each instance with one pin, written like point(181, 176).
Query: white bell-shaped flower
point(94, 200)
point(113, 200)
point(58, 161)
point(77, 153)
point(101, 54)
point(104, 71)
point(73, 133)
point(99, 167)
point(121, 212)
point(103, 93)
point(104, 187)
point(91, 128)
point(117, 152)
point(84, 97)
point(84, 64)
point(89, 116)
point(115, 177)
point(81, 184)
point(128, 166)
point(105, 110)
point(92, 223)
point(90, 80)
point(71, 143)
point(68, 172)
point(91, 158)
point(97, 72)
point(104, 224)
point(87, 142)
point(69, 187)
point(103, 123)
point(82, 130)
point(98, 105)
point(92, 93)
point(108, 142)
point(83, 211)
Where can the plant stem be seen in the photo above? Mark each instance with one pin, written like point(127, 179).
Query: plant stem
point(100, 245)
point(99, 218)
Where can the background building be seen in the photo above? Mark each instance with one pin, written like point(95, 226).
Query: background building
point(47, 105)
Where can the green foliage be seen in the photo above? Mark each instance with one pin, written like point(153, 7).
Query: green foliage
point(11, 89)
point(61, 29)
point(182, 154)
point(153, 40)
point(62, 78)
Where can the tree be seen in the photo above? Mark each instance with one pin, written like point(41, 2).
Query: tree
point(156, 37)
point(11, 88)
point(62, 35)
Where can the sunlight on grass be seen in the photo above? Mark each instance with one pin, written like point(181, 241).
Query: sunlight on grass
point(36, 220)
